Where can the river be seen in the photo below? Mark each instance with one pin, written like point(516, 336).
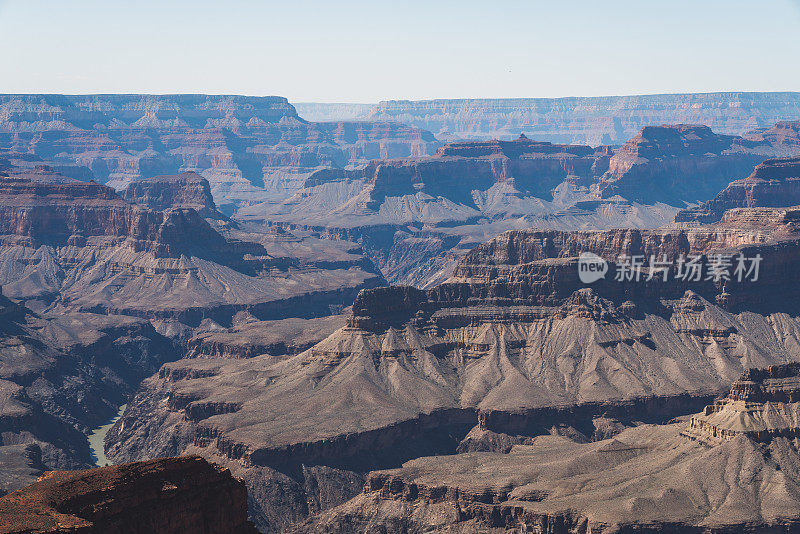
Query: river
point(98, 436)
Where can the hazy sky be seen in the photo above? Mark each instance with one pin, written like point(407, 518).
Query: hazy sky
point(352, 51)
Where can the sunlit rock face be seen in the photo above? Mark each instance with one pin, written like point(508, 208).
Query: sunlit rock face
point(418, 216)
point(733, 467)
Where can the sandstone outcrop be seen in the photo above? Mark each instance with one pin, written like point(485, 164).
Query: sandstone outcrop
point(185, 190)
point(249, 148)
point(167, 495)
point(773, 183)
point(512, 346)
point(583, 120)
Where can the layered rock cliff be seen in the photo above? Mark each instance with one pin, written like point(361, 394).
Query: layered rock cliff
point(773, 183)
point(81, 246)
point(512, 346)
point(651, 478)
point(249, 148)
point(161, 496)
point(763, 405)
point(683, 163)
point(419, 216)
point(185, 190)
point(587, 120)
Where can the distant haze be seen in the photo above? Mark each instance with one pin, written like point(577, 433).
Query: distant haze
point(359, 51)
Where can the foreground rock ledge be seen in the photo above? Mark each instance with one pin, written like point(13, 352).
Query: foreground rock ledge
point(167, 495)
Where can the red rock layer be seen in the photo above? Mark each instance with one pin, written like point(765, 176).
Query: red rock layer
point(167, 495)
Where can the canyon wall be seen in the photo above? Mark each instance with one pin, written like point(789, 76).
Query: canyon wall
point(512, 346)
point(773, 183)
point(730, 469)
point(418, 216)
point(610, 120)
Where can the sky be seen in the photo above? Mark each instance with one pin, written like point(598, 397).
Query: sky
point(367, 51)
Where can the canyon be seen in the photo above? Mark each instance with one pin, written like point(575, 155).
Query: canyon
point(248, 148)
point(220, 266)
point(510, 348)
point(418, 216)
point(98, 292)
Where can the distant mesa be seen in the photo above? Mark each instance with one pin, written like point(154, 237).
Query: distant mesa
point(591, 121)
point(185, 190)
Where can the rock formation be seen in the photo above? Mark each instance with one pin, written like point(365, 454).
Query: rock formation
point(588, 120)
point(419, 216)
point(785, 134)
point(253, 338)
point(185, 190)
point(106, 291)
point(512, 346)
point(167, 495)
point(249, 148)
point(732, 469)
point(81, 246)
point(683, 163)
point(763, 405)
point(773, 183)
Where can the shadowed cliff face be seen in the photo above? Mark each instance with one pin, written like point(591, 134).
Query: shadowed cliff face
point(159, 496)
point(62, 375)
point(512, 346)
point(249, 148)
point(774, 183)
point(682, 163)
